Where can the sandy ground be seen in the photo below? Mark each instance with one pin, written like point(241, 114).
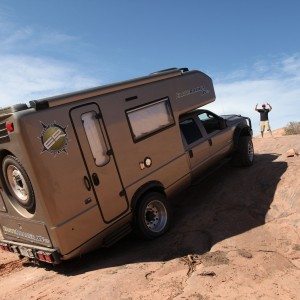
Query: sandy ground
point(235, 236)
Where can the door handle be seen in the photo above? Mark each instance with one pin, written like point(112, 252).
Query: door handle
point(95, 178)
point(191, 154)
point(210, 142)
point(87, 183)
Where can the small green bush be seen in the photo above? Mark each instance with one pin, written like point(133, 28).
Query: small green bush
point(292, 128)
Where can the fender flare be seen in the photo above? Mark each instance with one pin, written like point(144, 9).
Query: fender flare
point(151, 186)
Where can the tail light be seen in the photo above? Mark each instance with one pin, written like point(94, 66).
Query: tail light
point(10, 126)
point(6, 247)
point(45, 256)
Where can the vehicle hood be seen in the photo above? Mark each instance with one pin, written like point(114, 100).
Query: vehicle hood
point(233, 119)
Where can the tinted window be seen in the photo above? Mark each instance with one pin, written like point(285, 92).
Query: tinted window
point(190, 131)
point(210, 122)
point(150, 118)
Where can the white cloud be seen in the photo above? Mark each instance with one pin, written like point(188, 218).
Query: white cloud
point(291, 65)
point(276, 82)
point(24, 77)
point(9, 40)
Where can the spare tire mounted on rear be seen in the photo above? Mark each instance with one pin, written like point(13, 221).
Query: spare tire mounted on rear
point(18, 184)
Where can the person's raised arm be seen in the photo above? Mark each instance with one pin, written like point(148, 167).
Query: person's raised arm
point(256, 107)
point(270, 107)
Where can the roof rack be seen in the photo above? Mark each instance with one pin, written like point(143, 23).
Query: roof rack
point(170, 69)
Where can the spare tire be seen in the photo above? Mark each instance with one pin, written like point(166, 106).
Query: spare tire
point(18, 183)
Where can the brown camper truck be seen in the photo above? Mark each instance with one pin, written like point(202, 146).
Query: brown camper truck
point(80, 170)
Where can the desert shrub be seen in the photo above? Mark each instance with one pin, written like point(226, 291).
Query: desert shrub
point(292, 128)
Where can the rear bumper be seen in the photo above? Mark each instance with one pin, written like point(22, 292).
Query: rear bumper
point(33, 252)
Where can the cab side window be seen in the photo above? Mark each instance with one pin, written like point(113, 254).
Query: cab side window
point(190, 131)
point(210, 122)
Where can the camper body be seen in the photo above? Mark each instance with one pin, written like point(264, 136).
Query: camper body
point(76, 167)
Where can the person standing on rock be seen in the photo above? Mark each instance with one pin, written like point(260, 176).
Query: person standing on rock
point(264, 118)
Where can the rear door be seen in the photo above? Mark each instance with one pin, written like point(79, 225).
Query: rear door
point(197, 146)
point(102, 176)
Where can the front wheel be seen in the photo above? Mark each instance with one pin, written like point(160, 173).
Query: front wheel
point(153, 216)
point(244, 155)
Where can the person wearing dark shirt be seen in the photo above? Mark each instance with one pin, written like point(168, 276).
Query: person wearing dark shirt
point(264, 118)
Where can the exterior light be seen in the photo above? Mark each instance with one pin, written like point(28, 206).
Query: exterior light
point(10, 127)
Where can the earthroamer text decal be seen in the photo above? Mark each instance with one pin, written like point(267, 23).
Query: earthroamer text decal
point(29, 236)
point(200, 89)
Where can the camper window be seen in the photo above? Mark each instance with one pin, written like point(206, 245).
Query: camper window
point(150, 118)
point(95, 138)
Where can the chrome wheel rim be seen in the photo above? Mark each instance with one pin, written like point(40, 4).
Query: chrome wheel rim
point(18, 184)
point(250, 151)
point(156, 216)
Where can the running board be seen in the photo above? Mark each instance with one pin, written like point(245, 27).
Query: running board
point(117, 235)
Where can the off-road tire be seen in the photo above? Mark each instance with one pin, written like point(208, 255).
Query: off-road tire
point(143, 211)
point(242, 156)
point(30, 204)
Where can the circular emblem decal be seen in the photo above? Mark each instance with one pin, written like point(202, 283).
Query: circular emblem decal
point(54, 138)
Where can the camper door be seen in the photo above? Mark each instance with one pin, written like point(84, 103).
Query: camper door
point(102, 177)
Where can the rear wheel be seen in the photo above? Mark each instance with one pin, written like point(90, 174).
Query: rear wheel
point(153, 216)
point(18, 183)
point(244, 155)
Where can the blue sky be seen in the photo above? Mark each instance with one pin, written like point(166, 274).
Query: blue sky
point(250, 49)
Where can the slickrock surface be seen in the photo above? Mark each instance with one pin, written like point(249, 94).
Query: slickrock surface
point(234, 236)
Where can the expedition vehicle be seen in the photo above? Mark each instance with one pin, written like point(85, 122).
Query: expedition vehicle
point(80, 170)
